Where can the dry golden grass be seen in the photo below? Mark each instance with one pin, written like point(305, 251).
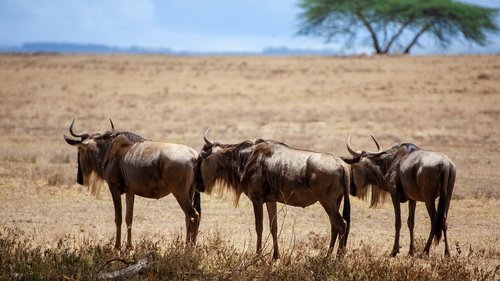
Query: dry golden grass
point(448, 104)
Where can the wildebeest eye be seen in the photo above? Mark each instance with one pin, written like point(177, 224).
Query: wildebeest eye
point(205, 153)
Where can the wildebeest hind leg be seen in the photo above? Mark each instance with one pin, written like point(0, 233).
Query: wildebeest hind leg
point(192, 217)
point(335, 232)
point(431, 209)
point(337, 225)
point(273, 223)
point(258, 212)
point(411, 224)
point(129, 202)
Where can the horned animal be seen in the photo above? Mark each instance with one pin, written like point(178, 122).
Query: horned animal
point(130, 164)
point(268, 172)
point(407, 173)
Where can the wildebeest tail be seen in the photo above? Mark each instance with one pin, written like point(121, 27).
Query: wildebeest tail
point(197, 202)
point(346, 212)
point(446, 175)
point(199, 185)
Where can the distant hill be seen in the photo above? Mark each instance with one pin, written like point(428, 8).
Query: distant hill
point(75, 48)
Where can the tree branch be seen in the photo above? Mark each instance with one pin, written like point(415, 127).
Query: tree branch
point(415, 39)
point(365, 22)
point(396, 35)
point(135, 268)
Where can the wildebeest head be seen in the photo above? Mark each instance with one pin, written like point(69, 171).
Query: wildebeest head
point(220, 166)
point(92, 149)
point(368, 170)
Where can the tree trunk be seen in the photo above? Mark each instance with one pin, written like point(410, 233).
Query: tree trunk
point(376, 44)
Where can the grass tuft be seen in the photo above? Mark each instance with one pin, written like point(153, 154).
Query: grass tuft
point(215, 259)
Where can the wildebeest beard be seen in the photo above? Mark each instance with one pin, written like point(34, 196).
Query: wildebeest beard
point(79, 174)
point(227, 183)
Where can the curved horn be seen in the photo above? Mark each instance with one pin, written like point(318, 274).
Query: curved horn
point(379, 147)
point(112, 125)
point(205, 137)
point(82, 135)
point(350, 149)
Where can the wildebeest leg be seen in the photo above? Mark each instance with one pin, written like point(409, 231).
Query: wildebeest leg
point(192, 217)
point(411, 223)
point(451, 183)
point(431, 209)
point(273, 223)
point(397, 223)
point(129, 213)
point(335, 233)
point(117, 202)
point(258, 212)
point(446, 247)
point(337, 225)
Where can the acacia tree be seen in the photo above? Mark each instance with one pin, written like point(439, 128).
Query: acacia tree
point(400, 23)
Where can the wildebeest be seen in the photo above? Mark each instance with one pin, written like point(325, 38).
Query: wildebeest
point(268, 172)
point(132, 165)
point(408, 174)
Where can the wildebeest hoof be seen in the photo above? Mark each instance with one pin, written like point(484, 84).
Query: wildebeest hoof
point(393, 254)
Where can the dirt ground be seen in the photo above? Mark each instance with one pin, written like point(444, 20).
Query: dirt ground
point(449, 104)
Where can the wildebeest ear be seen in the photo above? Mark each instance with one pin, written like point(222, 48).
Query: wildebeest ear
point(71, 141)
point(350, 160)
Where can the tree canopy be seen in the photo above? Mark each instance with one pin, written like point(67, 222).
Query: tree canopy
point(397, 24)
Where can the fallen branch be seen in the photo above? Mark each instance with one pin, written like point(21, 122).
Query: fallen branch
point(135, 268)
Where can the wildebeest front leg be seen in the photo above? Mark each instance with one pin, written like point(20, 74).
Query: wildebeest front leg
point(411, 223)
point(129, 200)
point(273, 223)
point(397, 222)
point(258, 212)
point(117, 202)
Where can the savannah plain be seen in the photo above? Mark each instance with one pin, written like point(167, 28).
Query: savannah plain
point(449, 104)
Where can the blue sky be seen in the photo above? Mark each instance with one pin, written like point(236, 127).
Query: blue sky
point(182, 25)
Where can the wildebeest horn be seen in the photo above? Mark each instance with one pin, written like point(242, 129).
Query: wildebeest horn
point(82, 135)
point(112, 125)
point(205, 137)
point(350, 149)
point(379, 148)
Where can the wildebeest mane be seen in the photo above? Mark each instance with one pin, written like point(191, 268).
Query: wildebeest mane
point(229, 171)
point(106, 141)
point(104, 155)
point(133, 137)
point(383, 174)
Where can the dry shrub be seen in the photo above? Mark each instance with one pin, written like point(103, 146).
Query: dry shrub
point(215, 259)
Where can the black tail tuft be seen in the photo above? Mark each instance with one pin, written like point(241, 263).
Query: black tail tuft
point(199, 185)
point(346, 212)
point(197, 202)
point(441, 209)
